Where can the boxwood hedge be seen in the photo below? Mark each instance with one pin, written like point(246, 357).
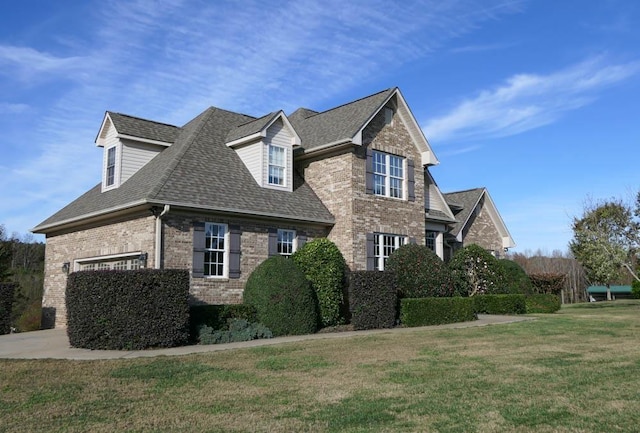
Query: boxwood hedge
point(543, 303)
point(7, 291)
point(499, 304)
point(436, 311)
point(372, 299)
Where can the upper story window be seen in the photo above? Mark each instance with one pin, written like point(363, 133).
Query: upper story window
point(388, 116)
point(111, 166)
point(277, 165)
point(384, 246)
point(215, 250)
point(286, 239)
point(388, 175)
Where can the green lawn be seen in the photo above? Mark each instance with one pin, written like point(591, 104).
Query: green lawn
point(574, 371)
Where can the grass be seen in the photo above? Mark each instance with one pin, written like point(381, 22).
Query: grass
point(574, 371)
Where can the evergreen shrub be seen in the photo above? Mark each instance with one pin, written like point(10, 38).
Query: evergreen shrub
point(324, 266)
point(436, 311)
point(543, 303)
point(516, 279)
point(475, 271)
point(372, 299)
point(218, 316)
point(283, 298)
point(500, 304)
point(7, 293)
point(128, 310)
point(420, 273)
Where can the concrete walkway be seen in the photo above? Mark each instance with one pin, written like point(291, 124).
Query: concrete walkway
point(54, 343)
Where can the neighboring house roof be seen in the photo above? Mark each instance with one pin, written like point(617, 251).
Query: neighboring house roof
point(339, 124)
point(143, 128)
point(614, 289)
point(465, 203)
point(198, 171)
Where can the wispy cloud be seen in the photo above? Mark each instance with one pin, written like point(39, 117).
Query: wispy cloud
point(527, 101)
point(25, 63)
point(9, 108)
point(482, 48)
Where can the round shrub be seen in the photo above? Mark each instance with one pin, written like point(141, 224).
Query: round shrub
point(517, 280)
point(476, 272)
point(282, 297)
point(323, 264)
point(419, 272)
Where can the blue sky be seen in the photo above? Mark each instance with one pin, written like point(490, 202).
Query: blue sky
point(536, 100)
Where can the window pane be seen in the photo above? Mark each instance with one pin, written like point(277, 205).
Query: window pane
point(214, 249)
point(379, 163)
point(285, 241)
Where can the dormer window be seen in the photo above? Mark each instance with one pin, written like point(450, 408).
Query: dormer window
point(277, 165)
point(111, 166)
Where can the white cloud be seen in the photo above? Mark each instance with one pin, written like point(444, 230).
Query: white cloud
point(25, 63)
point(9, 108)
point(527, 101)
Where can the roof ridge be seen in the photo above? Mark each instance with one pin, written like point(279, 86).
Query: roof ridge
point(188, 141)
point(232, 112)
point(464, 190)
point(348, 103)
point(254, 119)
point(142, 118)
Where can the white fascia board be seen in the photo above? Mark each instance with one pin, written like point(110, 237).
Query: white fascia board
point(144, 140)
point(249, 138)
point(357, 138)
point(507, 240)
point(429, 158)
point(415, 131)
point(96, 214)
point(99, 141)
point(324, 148)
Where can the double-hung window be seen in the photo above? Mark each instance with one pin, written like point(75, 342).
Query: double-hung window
point(277, 167)
point(286, 239)
point(214, 250)
point(384, 245)
point(111, 166)
point(388, 175)
point(431, 239)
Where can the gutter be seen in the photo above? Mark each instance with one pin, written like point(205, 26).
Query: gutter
point(158, 248)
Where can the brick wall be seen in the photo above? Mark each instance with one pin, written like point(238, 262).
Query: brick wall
point(120, 237)
point(340, 182)
point(178, 252)
point(482, 231)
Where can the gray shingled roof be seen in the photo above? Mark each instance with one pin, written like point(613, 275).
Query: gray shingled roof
point(337, 124)
point(252, 127)
point(143, 128)
point(467, 199)
point(200, 171)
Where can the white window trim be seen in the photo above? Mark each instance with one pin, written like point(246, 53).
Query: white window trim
point(387, 175)
point(285, 150)
point(116, 169)
point(78, 263)
point(294, 242)
point(225, 264)
point(380, 259)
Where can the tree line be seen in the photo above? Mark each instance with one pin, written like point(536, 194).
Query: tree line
point(22, 263)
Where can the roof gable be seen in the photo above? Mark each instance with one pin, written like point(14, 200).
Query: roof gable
point(469, 200)
point(138, 129)
point(256, 129)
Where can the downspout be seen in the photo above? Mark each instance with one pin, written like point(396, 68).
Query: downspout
point(158, 249)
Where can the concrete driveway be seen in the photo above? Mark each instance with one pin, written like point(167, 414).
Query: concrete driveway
point(54, 344)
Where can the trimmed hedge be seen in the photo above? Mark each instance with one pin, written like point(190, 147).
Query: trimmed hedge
point(543, 303)
point(420, 273)
point(128, 310)
point(372, 299)
point(436, 311)
point(500, 304)
point(217, 317)
point(7, 292)
point(323, 264)
point(283, 297)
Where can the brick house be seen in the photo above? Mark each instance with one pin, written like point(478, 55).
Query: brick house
point(220, 194)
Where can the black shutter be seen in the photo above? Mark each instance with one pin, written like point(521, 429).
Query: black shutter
point(273, 242)
point(197, 268)
point(411, 181)
point(369, 171)
point(302, 239)
point(234, 251)
point(371, 259)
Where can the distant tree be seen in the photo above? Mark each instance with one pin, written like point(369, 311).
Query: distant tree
point(606, 240)
point(6, 253)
